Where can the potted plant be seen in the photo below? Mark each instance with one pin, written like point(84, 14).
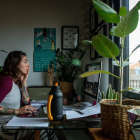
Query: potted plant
point(1, 66)
point(114, 118)
point(68, 67)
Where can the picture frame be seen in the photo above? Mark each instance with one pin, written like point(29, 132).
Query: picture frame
point(70, 37)
point(101, 30)
point(93, 54)
point(93, 21)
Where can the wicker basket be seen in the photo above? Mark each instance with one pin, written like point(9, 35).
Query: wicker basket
point(66, 88)
point(114, 118)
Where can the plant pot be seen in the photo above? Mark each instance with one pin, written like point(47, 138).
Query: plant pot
point(114, 118)
point(134, 117)
point(66, 88)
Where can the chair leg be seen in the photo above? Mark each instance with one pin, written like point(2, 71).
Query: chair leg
point(37, 134)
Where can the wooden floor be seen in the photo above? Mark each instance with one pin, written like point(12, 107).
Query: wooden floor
point(96, 134)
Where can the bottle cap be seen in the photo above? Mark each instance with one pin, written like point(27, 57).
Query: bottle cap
point(56, 84)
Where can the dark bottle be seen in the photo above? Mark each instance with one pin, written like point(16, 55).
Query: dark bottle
point(55, 104)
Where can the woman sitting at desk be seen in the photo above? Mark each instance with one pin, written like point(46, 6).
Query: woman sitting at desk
point(13, 94)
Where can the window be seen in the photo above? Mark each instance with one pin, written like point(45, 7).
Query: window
point(134, 67)
point(132, 72)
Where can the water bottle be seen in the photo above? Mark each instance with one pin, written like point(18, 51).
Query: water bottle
point(55, 104)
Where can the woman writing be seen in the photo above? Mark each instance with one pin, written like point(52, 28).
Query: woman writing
point(13, 92)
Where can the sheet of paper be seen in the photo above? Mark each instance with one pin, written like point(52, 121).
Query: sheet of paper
point(87, 112)
point(83, 104)
point(39, 103)
point(17, 121)
point(67, 107)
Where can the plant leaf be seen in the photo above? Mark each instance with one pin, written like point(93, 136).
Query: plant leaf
point(136, 48)
point(128, 23)
point(61, 58)
point(104, 46)
point(122, 11)
point(106, 12)
point(87, 41)
point(1, 68)
point(138, 5)
point(129, 88)
point(124, 64)
point(86, 74)
point(112, 31)
point(3, 51)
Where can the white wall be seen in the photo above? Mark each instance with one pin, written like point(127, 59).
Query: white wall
point(18, 19)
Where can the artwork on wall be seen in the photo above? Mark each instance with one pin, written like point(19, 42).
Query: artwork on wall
point(93, 54)
point(44, 48)
point(70, 37)
point(44, 38)
point(101, 30)
point(93, 20)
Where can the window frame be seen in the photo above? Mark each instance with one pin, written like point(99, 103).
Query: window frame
point(114, 69)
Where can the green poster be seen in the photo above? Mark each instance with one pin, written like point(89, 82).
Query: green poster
point(42, 59)
point(45, 39)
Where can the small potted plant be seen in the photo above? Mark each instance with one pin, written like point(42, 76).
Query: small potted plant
point(67, 65)
point(114, 117)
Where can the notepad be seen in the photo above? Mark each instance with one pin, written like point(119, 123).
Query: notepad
point(38, 122)
point(86, 112)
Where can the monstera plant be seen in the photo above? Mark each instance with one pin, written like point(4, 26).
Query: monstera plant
point(126, 23)
point(1, 66)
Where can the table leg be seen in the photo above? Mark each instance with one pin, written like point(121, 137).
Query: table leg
point(37, 134)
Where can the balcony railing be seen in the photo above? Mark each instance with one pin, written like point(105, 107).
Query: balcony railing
point(134, 83)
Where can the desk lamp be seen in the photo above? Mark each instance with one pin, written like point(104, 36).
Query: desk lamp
point(76, 62)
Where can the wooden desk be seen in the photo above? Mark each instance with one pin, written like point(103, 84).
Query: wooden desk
point(96, 134)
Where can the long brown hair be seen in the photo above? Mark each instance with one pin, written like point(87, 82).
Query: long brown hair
point(10, 64)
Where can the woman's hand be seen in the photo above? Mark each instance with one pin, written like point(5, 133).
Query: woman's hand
point(23, 78)
point(26, 109)
point(50, 72)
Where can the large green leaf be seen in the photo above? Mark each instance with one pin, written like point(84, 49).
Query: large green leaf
point(106, 12)
point(123, 11)
point(128, 23)
point(89, 73)
point(104, 46)
point(138, 5)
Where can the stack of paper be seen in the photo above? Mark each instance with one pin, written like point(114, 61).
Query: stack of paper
point(38, 122)
point(86, 112)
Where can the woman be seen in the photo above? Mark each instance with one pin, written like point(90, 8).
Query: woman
point(14, 94)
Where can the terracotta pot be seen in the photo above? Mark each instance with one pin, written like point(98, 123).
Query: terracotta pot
point(66, 88)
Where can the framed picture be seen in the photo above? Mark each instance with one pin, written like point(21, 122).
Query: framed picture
point(93, 20)
point(100, 22)
point(70, 37)
point(93, 54)
point(101, 30)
